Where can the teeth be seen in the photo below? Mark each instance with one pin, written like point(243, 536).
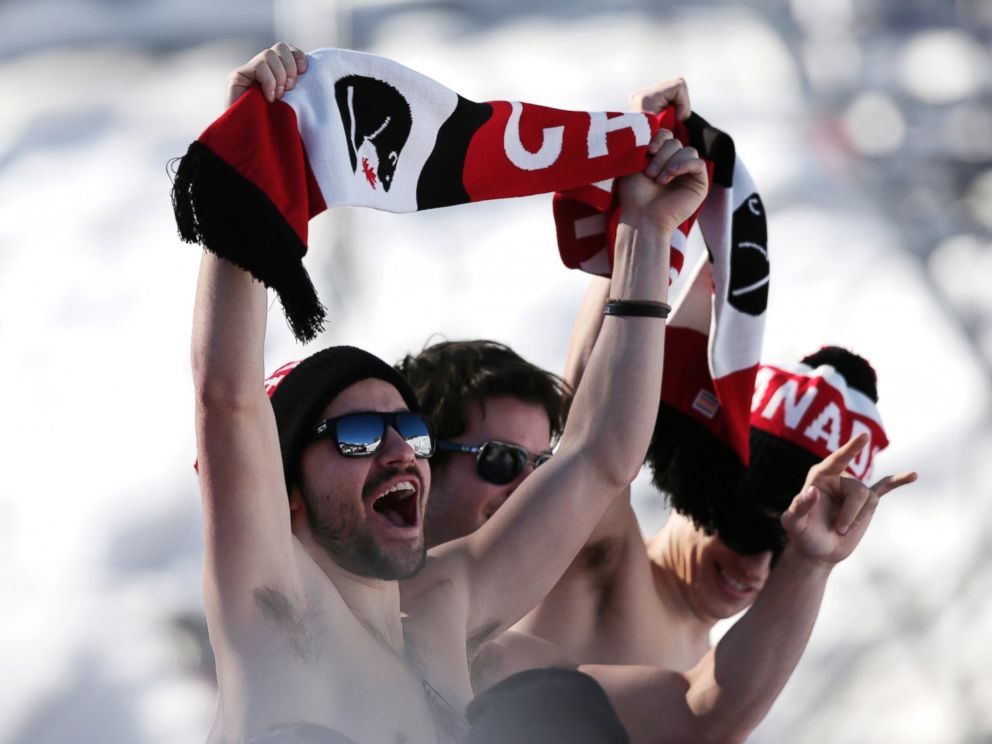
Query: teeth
point(734, 584)
point(402, 486)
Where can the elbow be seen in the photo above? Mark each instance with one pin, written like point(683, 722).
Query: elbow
point(213, 398)
point(611, 468)
point(618, 469)
point(217, 389)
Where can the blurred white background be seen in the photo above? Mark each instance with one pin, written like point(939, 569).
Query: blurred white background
point(866, 123)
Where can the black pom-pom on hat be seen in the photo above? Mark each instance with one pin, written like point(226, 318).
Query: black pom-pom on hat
point(856, 370)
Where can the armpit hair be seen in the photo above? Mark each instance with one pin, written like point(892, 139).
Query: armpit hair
point(600, 561)
point(297, 627)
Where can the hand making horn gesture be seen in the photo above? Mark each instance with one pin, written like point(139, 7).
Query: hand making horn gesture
point(830, 515)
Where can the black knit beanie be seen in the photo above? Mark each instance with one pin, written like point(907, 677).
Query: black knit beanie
point(301, 395)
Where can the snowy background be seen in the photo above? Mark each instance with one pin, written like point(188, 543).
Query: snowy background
point(866, 123)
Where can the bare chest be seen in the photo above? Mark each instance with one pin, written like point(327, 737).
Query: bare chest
point(323, 666)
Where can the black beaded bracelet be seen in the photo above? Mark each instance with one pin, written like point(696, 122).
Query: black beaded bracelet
point(636, 308)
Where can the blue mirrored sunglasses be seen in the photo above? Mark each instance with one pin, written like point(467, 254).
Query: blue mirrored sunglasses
point(361, 434)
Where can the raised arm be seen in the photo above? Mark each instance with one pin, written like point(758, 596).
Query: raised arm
point(245, 505)
point(513, 561)
point(616, 523)
point(733, 687)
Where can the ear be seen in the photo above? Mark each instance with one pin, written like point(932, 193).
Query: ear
point(297, 509)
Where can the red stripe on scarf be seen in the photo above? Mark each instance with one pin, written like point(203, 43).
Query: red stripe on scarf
point(490, 174)
point(264, 146)
point(687, 387)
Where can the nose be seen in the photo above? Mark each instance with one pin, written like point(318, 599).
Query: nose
point(395, 448)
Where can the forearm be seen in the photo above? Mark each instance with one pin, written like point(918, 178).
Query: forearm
point(612, 417)
point(602, 449)
point(588, 321)
point(228, 334)
point(734, 686)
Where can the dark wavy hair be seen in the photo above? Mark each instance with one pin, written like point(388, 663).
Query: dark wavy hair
point(449, 375)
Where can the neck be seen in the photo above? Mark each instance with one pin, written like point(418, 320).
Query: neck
point(686, 628)
point(375, 603)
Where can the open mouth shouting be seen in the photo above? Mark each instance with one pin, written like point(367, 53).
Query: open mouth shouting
point(397, 504)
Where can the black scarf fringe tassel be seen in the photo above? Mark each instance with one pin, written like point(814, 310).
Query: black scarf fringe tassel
point(222, 211)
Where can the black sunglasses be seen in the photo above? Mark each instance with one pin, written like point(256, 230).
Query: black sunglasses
point(362, 434)
point(496, 462)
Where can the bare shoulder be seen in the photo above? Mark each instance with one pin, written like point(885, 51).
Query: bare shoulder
point(439, 591)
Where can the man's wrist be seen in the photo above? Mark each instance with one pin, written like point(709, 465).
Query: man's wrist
point(793, 557)
point(642, 254)
point(640, 222)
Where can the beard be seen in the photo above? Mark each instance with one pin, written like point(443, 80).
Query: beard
point(341, 527)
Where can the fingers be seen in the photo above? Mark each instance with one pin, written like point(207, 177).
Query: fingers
point(299, 57)
point(683, 163)
point(661, 148)
point(836, 462)
point(656, 97)
point(660, 138)
point(275, 70)
point(867, 498)
point(670, 159)
point(265, 77)
point(859, 500)
point(892, 482)
point(794, 518)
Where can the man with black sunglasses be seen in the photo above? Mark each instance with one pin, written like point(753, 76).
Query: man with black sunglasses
point(636, 614)
point(496, 417)
point(314, 500)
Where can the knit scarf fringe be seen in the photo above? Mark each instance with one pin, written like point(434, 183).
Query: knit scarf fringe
point(218, 208)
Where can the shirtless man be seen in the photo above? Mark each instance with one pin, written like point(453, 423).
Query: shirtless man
point(638, 615)
point(312, 512)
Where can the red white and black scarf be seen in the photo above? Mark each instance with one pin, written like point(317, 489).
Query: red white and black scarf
point(713, 344)
point(362, 130)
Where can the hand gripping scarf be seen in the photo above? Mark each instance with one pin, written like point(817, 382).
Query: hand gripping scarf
point(362, 130)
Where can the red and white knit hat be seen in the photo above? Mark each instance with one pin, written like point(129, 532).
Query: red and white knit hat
point(800, 414)
point(816, 408)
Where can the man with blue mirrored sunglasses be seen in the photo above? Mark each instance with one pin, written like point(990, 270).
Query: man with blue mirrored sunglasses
point(314, 501)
